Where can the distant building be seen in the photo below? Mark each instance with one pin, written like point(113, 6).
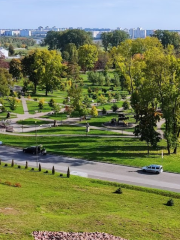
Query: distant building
point(11, 33)
point(4, 52)
point(25, 33)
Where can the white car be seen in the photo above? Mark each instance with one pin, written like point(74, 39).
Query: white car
point(153, 168)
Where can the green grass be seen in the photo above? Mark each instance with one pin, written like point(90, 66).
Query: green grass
point(66, 129)
point(19, 107)
point(48, 202)
point(57, 116)
point(33, 106)
point(126, 151)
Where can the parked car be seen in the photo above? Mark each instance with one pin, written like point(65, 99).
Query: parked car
point(34, 150)
point(153, 168)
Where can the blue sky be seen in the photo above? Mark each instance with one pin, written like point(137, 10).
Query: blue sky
point(148, 14)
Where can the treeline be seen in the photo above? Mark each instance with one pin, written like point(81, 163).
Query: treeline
point(19, 42)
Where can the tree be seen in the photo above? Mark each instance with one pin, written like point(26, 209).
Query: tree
point(3, 63)
point(75, 96)
point(113, 39)
point(60, 40)
point(15, 68)
point(146, 127)
point(11, 50)
point(29, 67)
point(94, 111)
point(167, 38)
point(88, 56)
point(48, 67)
point(5, 82)
point(101, 99)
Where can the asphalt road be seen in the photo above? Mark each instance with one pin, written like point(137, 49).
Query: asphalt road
point(104, 171)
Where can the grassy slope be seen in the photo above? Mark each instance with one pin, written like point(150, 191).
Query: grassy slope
point(46, 202)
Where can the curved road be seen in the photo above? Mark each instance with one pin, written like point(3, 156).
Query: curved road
point(97, 170)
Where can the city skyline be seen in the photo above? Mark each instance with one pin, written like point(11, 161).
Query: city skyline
point(149, 14)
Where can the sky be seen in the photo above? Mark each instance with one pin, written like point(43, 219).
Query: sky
point(148, 14)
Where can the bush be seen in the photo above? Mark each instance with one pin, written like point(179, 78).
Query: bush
point(46, 172)
point(118, 191)
point(104, 111)
point(32, 169)
point(51, 102)
point(114, 107)
point(53, 170)
point(8, 183)
point(68, 173)
point(61, 175)
point(5, 165)
point(126, 105)
point(19, 166)
point(35, 99)
point(170, 202)
point(17, 185)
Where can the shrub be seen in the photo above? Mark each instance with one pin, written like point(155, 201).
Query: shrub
point(39, 167)
point(53, 170)
point(114, 107)
point(8, 183)
point(41, 104)
point(32, 169)
point(61, 175)
point(123, 96)
point(46, 172)
point(12, 163)
point(51, 102)
point(126, 105)
point(118, 191)
point(104, 111)
point(26, 166)
point(19, 166)
point(5, 165)
point(68, 173)
point(170, 202)
point(35, 99)
point(17, 185)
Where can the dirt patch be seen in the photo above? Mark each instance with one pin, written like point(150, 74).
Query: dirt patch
point(8, 211)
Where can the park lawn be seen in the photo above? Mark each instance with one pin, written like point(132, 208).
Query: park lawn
point(19, 107)
point(48, 202)
point(108, 106)
point(33, 107)
point(32, 121)
point(66, 129)
point(56, 116)
point(3, 116)
point(126, 151)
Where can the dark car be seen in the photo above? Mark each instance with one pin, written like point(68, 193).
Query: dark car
point(32, 150)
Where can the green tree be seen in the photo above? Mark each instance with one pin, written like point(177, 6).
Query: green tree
point(94, 111)
point(167, 38)
point(5, 82)
point(60, 40)
point(146, 127)
point(48, 67)
point(11, 50)
point(113, 39)
point(88, 56)
point(15, 68)
point(101, 99)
